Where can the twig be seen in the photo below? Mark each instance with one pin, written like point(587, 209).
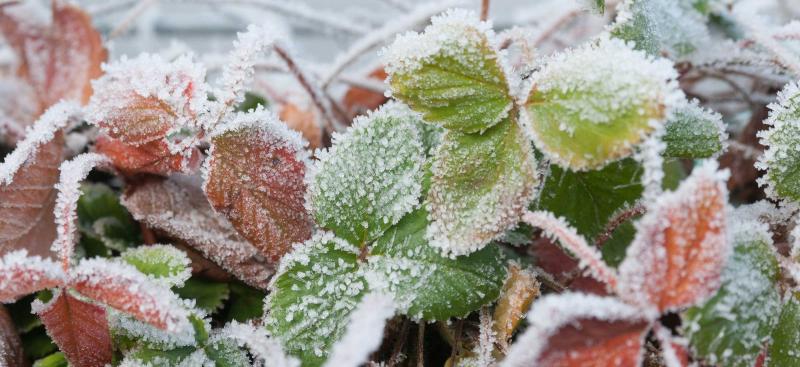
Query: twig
point(456, 351)
point(132, 14)
point(484, 10)
point(398, 346)
point(421, 345)
point(616, 221)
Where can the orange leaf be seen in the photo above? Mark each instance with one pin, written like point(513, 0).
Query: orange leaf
point(78, 328)
point(675, 350)
point(21, 274)
point(180, 210)
point(60, 59)
point(677, 256)
point(11, 353)
point(519, 291)
point(357, 100)
point(304, 121)
point(154, 157)
point(122, 287)
point(26, 204)
point(255, 177)
point(577, 330)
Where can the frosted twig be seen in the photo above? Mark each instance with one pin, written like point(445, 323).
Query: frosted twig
point(484, 10)
point(616, 221)
point(378, 36)
point(43, 130)
point(130, 16)
point(486, 339)
point(69, 191)
point(108, 7)
point(575, 243)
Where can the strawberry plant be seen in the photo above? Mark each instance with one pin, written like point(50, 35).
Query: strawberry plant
point(602, 183)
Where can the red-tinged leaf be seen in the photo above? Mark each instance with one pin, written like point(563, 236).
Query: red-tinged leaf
point(78, 328)
point(26, 204)
point(304, 121)
point(121, 286)
point(577, 330)
point(21, 274)
point(178, 208)
point(19, 108)
point(11, 352)
point(358, 101)
point(255, 177)
point(677, 256)
point(675, 350)
point(153, 157)
point(60, 59)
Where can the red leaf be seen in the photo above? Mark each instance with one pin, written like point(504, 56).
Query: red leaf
point(359, 100)
point(677, 256)
point(26, 204)
point(180, 210)
point(78, 328)
point(11, 352)
point(304, 121)
point(21, 274)
point(121, 286)
point(58, 60)
point(153, 157)
point(676, 350)
point(574, 329)
point(255, 177)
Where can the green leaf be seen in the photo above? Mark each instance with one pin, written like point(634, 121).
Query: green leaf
point(20, 311)
point(427, 285)
point(164, 263)
point(246, 303)
point(312, 296)
point(103, 220)
point(481, 184)
point(56, 359)
point(694, 132)
point(251, 102)
point(370, 177)
point(209, 296)
point(161, 358)
point(785, 337)
point(451, 73)
point(37, 344)
point(731, 327)
point(225, 353)
point(593, 105)
point(674, 28)
point(598, 6)
point(781, 159)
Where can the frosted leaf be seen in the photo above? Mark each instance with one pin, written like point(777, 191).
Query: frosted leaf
point(677, 256)
point(731, 327)
point(694, 132)
point(370, 177)
point(58, 59)
point(154, 157)
point(519, 291)
point(27, 218)
point(674, 28)
point(11, 351)
point(785, 337)
point(317, 287)
point(46, 129)
point(674, 349)
point(124, 327)
point(142, 100)
point(480, 187)
point(179, 357)
point(179, 209)
point(19, 108)
point(21, 275)
point(78, 328)
point(255, 177)
point(781, 158)
point(451, 73)
point(593, 104)
point(226, 352)
point(597, 6)
point(574, 329)
point(121, 286)
point(267, 351)
point(427, 285)
point(364, 331)
point(588, 256)
point(66, 209)
point(164, 264)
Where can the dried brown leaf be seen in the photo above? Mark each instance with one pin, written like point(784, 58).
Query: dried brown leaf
point(519, 291)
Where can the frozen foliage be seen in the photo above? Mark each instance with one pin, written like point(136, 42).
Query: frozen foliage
point(123, 325)
point(593, 104)
point(481, 184)
point(123, 287)
point(451, 73)
point(164, 264)
point(674, 28)
point(694, 132)
point(364, 331)
point(42, 132)
point(267, 351)
point(18, 109)
point(21, 274)
point(781, 158)
point(370, 177)
point(69, 190)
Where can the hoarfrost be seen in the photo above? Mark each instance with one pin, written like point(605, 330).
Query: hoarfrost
point(364, 331)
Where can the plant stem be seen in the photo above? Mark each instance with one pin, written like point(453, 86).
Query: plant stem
point(484, 9)
point(616, 221)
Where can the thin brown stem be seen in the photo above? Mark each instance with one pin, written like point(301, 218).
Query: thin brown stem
point(484, 9)
point(617, 221)
point(456, 351)
point(421, 345)
point(394, 359)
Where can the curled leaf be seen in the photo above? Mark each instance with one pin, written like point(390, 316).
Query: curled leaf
point(519, 291)
point(255, 177)
point(677, 256)
point(21, 274)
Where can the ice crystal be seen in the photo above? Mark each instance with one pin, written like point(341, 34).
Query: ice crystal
point(364, 331)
